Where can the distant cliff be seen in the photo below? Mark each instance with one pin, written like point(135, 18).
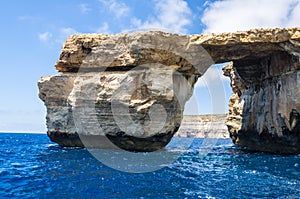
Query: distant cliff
point(129, 90)
point(203, 126)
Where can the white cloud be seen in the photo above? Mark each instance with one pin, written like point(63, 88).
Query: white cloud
point(171, 15)
point(118, 8)
point(68, 31)
point(84, 8)
point(64, 33)
point(46, 36)
point(234, 15)
point(58, 37)
point(294, 17)
point(103, 29)
point(27, 18)
point(212, 76)
point(210, 92)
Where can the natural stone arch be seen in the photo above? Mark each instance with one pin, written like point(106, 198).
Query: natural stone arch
point(264, 109)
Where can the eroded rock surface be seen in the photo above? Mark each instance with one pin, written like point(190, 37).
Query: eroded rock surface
point(126, 89)
point(131, 88)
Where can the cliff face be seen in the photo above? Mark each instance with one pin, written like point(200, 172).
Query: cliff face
point(130, 89)
point(265, 106)
point(203, 126)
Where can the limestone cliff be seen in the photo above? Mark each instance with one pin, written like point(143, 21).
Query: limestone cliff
point(203, 126)
point(130, 89)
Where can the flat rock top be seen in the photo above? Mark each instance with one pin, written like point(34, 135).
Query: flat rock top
point(252, 36)
point(185, 53)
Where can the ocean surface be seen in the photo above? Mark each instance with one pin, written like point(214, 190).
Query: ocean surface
point(33, 167)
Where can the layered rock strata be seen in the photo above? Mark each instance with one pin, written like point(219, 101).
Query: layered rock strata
point(130, 89)
point(203, 126)
point(123, 90)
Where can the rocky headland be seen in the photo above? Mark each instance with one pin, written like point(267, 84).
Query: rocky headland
point(129, 90)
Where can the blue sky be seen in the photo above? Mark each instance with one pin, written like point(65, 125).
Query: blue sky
point(33, 32)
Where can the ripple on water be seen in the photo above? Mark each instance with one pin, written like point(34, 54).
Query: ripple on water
point(31, 166)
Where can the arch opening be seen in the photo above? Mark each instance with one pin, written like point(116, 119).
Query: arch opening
point(206, 111)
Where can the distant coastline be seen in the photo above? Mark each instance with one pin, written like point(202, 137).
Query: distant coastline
point(23, 132)
point(192, 126)
point(203, 126)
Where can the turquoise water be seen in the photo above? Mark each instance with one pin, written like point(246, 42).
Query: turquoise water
point(33, 167)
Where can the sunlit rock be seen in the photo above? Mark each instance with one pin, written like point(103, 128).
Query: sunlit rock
point(129, 90)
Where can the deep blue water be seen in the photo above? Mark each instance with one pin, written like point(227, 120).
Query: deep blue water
point(33, 167)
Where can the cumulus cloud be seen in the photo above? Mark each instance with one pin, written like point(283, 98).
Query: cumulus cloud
point(212, 76)
point(118, 8)
point(68, 31)
point(103, 29)
point(209, 93)
point(294, 17)
point(64, 33)
point(84, 8)
point(58, 37)
point(46, 36)
point(171, 15)
point(234, 15)
point(28, 18)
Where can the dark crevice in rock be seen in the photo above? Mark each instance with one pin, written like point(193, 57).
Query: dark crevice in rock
point(111, 69)
point(143, 144)
point(65, 139)
point(264, 141)
point(86, 50)
point(295, 121)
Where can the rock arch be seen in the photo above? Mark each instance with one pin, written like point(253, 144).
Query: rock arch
point(159, 69)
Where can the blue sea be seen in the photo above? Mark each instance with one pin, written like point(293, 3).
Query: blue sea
point(31, 166)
